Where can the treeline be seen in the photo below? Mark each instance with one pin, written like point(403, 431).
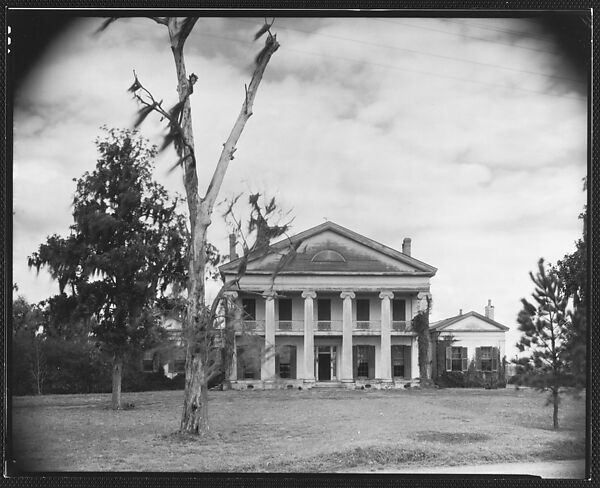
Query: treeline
point(44, 360)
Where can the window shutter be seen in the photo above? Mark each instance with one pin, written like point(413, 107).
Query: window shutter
point(239, 369)
point(495, 357)
point(371, 360)
point(354, 361)
point(449, 358)
point(277, 365)
point(478, 358)
point(465, 359)
point(293, 362)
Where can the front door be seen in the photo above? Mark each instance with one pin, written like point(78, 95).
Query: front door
point(325, 359)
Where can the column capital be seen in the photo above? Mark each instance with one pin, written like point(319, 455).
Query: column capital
point(231, 294)
point(269, 294)
point(423, 294)
point(309, 294)
point(386, 294)
point(348, 294)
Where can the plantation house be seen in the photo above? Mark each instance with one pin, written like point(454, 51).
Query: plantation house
point(338, 312)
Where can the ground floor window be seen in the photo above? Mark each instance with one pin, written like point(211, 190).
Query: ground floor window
point(248, 363)
point(456, 359)
point(486, 358)
point(151, 362)
point(400, 361)
point(364, 361)
point(285, 362)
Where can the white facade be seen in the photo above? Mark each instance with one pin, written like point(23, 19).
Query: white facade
point(349, 304)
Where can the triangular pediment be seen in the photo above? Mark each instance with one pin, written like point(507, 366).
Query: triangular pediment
point(471, 321)
point(330, 248)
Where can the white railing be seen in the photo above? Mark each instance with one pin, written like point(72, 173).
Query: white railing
point(253, 325)
point(329, 326)
point(289, 325)
point(373, 325)
point(401, 326)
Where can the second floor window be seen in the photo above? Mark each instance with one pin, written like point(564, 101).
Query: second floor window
point(398, 310)
point(324, 309)
point(362, 310)
point(249, 306)
point(285, 309)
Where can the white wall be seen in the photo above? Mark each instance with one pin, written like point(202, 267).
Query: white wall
point(473, 339)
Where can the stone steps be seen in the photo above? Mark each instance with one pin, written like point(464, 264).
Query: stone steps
point(328, 384)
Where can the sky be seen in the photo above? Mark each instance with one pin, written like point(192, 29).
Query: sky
point(468, 135)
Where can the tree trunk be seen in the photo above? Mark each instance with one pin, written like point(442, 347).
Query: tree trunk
point(117, 372)
point(195, 403)
point(38, 366)
point(424, 355)
point(555, 408)
point(195, 414)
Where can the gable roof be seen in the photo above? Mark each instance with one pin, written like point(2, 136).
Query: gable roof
point(442, 324)
point(300, 264)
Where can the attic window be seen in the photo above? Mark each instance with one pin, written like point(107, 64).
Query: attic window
point(328, 256)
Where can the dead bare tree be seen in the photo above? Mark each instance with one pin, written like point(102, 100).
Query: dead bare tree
point(194, 417)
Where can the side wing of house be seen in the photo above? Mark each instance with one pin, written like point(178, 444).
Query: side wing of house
point(470, 339)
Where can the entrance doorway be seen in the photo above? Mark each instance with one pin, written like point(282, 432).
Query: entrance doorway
point(325, 363)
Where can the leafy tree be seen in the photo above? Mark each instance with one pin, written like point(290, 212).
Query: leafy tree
point(126, 246)
point(194, 417)
point(545, 327)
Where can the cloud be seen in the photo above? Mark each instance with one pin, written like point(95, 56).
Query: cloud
point(391, 127)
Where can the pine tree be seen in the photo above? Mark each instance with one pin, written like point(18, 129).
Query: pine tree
point(545, 325)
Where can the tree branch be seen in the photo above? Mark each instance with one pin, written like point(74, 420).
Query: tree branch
point(271, 45)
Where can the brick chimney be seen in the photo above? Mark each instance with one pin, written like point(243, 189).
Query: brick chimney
point(406, 246)
point(489, 310)
point(232, 252)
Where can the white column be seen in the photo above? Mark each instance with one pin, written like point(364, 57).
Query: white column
point(385, 363)
point(267, 372)
point(234, 316)
point(346, 373)
point(414, 358)
point(309, 341)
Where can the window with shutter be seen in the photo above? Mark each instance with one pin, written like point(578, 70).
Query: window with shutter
point(371, 359)
point(478, 358)
point(495, 358)
point(398, 368)
point(465, 359)
point(365, 362)
point(285, 362)
point(449, 358)
point(486, 361)
point(459, 361)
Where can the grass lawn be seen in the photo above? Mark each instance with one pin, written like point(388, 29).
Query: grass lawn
point(295, 431)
